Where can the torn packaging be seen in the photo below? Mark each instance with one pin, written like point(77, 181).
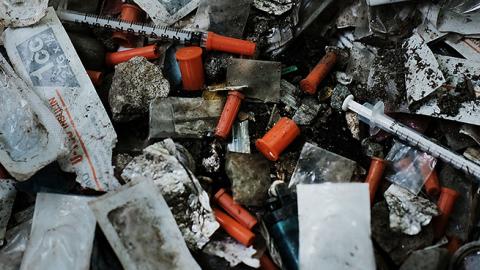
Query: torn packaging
point(167, 12)
point(186, 198)
point(45, 58)
point(30, 137)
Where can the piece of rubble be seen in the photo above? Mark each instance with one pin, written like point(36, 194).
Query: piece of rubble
point(308, 111)
point(274, 7)
point(262, 78)
point(457, 70)
point(289, 94)
point(7, 198)
point(232, 251)
point(62, 234)
point(397, 245)
point(240, 138)
point(167, 12)
point(45, 58)
point(30, 137)
point(16, 239)
point(317, 165)
point(187, 200)
point(135, 84)
point(141, 229)
point(408, 213)
point(340, 92)
point(423, 76)
point(371, 148)
point(21, 13)
point(334, 226)
point(427, 259)
point(178, 117)
point(211, 163)
point(452, 108)
point(250, 177)
point(353, 123)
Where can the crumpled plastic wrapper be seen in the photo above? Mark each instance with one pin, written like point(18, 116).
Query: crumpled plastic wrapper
point(18, 13)
point(183, 193)
point(408, 213)
point(232, 251)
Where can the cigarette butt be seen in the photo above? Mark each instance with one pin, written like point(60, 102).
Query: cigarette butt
point(374, 177)
point(234, 229)
point(319, 72)
point(224, 200)
point(150, 52)
point(217, 42)
point(278, 138)
point(191, 67)
point(445, 204)
point(96, 77)
point(229, 113)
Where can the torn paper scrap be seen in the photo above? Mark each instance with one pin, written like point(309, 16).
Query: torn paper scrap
point(232, 251)
point(408, 212)
point(45, 58)
point(167, 12)
point(468, 111)
point(21, 12)
point(456, 70)
point(7, 198)
point(185, 196)
point(423, 75)
point(141, 229)
point(30, 137)
point(62, 233)
point(334, 226)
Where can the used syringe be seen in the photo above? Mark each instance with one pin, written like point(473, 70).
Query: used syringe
point(209, 40)
point(376, 118)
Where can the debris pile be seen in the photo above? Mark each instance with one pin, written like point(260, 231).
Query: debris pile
point(251, 134)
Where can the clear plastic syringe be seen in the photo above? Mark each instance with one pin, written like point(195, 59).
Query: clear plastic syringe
point(376, 118)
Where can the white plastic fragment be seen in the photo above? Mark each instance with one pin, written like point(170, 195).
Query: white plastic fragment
point(469, 111)
point(46, 59)
point(424, 76)
point(62, 233)
point(7, 198)
point(408, 212)
point(16, 240)
point(456, 70)
point(232, 251)
point(141, 229)
point(17, 13)
point(30, 137)
point(240, 138)
point(167, 12)
point(334, 226)
point(383, 2)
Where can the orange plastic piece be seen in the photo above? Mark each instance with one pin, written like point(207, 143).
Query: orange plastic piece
point(278, 138)
point(445, 204)
point(229, 113)
point(454, 243)
point(319, 72)
point(235, 210)
point(191, 67)
point(150, 52)
point(129, 13)
point(266, 263)
point(375, 173)
point(432, 186)
point(96, 77)
point(217, 42)
point(234, 229)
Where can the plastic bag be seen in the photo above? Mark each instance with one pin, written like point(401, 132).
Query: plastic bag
point(409, 167)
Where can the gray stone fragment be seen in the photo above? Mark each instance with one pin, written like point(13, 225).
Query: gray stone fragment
point(371, 148)
point(307, 111)
point(427, 259)
point(397, 245)
point(340, 92)
point(274, 7)
point(135, 84)
point(7, 198)
point(250, 176)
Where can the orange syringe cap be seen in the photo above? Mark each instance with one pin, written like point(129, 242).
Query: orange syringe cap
point(319, 72)
point(234, 229)
point(278, 138)
point(191, 67)
point(445, 204)
point(150, 52)
point(129, 13)
point(240, 214)
point(217, 42)
point(229, 113)
point(432, 185)
point(95, 76)
point(374, 177)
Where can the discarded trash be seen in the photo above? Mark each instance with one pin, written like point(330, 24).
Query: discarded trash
point(140, 228)
point(336, 235)
point(234, 229)
point(321, 70)
point(272, 144)
point(235, 210)
point(150, 52)
point(375, 175)
point(229, 114)
point(232, 251)
point(62, 233)
point(165, 12)
point(22, 13)
point(12, 251)
point(7, 198)
point(44, 57)
point(445, 203)
point(129, 13)
point(240, 138)
point(191, 66)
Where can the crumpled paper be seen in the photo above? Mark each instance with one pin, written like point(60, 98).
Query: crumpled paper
point(232, 251)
